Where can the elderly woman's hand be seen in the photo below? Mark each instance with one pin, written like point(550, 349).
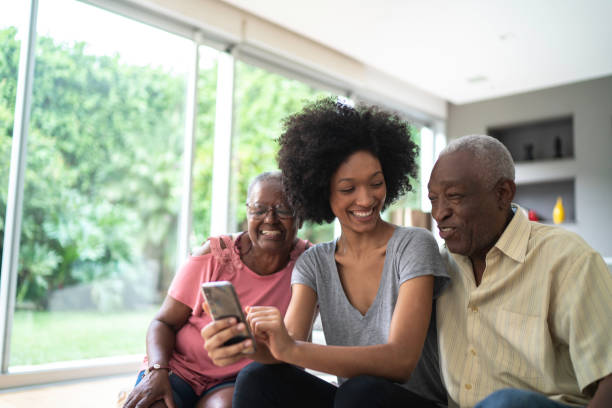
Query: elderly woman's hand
point(268, 327)
point(155, 386)
point(217, 332)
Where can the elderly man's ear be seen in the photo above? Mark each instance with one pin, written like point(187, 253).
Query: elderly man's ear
point(504, 191)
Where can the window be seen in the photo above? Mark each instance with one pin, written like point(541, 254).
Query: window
point(102, 184)
point(399, 212)
point(11, 19)
point(262, 99)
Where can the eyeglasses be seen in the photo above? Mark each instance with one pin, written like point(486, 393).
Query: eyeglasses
point(259, 212)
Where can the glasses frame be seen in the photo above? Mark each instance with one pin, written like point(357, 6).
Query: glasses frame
point(273, 208)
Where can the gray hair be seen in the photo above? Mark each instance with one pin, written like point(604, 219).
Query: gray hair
point(493, 157)
point(265, 176)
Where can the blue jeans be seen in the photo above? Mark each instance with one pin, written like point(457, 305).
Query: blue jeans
point(513, 398)
point(182, 393)
point(283, 385)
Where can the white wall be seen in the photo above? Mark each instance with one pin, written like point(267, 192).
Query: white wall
point(590, 104)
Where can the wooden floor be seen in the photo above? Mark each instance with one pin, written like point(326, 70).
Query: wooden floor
point(98, 393)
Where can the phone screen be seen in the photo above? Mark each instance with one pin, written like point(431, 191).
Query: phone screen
point(223, 303)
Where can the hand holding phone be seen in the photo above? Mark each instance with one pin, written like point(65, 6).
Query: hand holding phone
point(223, 303)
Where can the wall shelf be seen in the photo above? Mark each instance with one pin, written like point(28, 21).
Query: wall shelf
point(543, 151)
point(548, 139)
point(542, 197)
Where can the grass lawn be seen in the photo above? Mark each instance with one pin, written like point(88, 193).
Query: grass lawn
point(45, 337)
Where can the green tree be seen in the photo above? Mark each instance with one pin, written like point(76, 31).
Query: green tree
point(103, 171)
point(9, 62)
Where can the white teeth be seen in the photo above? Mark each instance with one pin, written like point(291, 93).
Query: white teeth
point(362, 213)
point(445, 229)
point(263, 232)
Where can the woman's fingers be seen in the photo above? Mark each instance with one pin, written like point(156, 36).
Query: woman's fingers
point(217, 333)
point(222, 362)
point(262, 312)
point(148, 391)
point(265, 329)
point(216, 326)
point(221, 336)
point(230, 354)
point(261, 326)
point(261, 309)
point(169, 400)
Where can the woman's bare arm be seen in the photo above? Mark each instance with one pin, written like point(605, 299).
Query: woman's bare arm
point(161, 338)
point(394, 360)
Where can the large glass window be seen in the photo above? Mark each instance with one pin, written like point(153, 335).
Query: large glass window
point(262, 99)
point(103, 180)
point(102, 184)
point(11, 20)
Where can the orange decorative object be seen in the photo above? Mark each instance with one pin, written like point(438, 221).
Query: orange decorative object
point(558, 212)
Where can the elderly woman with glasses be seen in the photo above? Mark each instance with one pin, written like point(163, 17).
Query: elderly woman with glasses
point(177, 371)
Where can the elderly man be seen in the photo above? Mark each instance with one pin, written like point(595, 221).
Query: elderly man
point(526, 320)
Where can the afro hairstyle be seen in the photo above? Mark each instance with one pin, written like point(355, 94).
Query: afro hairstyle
point(318, 139)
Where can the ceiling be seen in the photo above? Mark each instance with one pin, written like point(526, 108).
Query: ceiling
point(460, 50)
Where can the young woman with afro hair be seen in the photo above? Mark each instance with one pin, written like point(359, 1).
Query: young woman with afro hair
point(374, 286)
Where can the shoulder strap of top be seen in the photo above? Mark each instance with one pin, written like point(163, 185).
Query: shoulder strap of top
point(215, 246)
point(219, 244)
point(227, 241)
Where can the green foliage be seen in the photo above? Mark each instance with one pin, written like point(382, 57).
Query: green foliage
point(9, 61)
point(102, 182)
point(103, 176)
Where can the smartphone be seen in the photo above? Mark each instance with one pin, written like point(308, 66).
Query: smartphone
point(223, 303)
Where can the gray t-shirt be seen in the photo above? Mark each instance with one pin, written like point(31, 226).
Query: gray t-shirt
point(411, 252)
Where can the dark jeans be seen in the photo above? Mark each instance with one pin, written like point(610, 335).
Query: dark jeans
point(182, 393)
point(513, 398)
point(283, 385)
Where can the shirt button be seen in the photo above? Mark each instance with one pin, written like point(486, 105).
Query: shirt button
point(474, 309)
point(468, 386)
point(473, 352)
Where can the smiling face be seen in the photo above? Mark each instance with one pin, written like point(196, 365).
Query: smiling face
point(270, 232)
point(358, 191)
point(470, 215)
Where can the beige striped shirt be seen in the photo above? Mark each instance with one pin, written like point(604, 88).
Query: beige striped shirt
point(540, 319)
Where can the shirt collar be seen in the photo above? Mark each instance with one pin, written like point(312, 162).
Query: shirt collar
point(513, 241)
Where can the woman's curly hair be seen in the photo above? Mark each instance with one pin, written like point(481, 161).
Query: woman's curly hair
point(317, 140)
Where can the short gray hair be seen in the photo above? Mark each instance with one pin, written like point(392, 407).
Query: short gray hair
point(265, 176)
point(493, 157)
